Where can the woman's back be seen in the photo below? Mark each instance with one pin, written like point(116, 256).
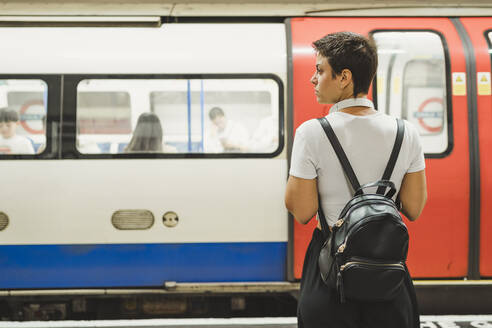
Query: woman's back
point(367, 140)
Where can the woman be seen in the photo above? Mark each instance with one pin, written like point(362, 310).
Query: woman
point(147, 136)
point(345, 66)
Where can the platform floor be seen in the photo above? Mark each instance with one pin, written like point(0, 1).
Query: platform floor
point(461, 321)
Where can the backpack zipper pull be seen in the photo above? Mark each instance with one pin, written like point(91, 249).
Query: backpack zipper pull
point(340, 287)
point(341, 248)
point(339, 223)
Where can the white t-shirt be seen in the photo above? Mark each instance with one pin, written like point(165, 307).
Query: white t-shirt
point(265, 137)
point(367, 142)
point(234, 133)
point(16, 145)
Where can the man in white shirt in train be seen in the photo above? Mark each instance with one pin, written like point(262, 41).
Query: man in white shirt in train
point(10, 142)
point(265, 137)
point(226, 135)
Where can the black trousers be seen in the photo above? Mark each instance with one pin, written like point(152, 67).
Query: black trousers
point(319, 306)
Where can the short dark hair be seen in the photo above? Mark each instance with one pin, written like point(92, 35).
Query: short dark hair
point(214, 112)
point(347, 50)
point(8, 115)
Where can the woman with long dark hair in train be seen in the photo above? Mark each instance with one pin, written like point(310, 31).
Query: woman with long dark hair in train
point(148, 136)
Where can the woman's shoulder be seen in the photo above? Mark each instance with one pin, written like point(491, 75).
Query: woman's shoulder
point(411, 127)
point(309, 127)
point(411, 131)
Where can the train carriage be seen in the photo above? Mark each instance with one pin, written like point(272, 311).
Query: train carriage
point(98, 220)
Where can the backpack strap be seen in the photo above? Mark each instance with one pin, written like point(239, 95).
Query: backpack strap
point(400, 131)
point(384, 184)
point(347, 168)
point(321, 216)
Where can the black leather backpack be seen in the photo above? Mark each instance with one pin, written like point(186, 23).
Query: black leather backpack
point(364, 255)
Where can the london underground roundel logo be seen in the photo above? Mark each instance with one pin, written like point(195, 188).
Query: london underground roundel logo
point(32, 113)
point(430, 114)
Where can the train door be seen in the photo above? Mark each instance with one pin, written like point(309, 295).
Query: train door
point(422, 78)
point(479, 30)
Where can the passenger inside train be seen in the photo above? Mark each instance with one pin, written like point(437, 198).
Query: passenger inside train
point(10, 142)
point(148, 136)
point(265, 137)
point(225, 134)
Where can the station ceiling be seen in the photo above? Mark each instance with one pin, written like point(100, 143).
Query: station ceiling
point(217, 8)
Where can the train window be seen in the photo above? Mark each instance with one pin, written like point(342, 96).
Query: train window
point(489, 33)
point(103, 116)
point(22, 116)
point(177, 116)
point(411, 83)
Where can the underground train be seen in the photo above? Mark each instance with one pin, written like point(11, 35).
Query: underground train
point(80, 215)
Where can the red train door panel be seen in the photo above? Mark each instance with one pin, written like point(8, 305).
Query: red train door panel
point(479, 30)
point(439, 238)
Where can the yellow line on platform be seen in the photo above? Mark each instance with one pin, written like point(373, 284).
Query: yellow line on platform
point(217, 288)
point(483, 282)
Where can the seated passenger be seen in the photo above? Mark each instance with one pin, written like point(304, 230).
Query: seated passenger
point(10, 142)
point(148, 136)
point(265, 137)
point(226, 135)
point(87, 147)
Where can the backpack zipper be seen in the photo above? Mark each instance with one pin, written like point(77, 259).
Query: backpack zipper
point(371, 263)
point(386, 200)
point(340, 283)
point(341, 221)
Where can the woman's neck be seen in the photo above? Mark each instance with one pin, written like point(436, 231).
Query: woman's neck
point(359, 110)
point(355, 106)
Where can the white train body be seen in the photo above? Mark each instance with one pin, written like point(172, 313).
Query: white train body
point(60, 204)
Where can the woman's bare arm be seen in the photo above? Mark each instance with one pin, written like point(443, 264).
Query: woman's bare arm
point(413, 194)
point(301, 198)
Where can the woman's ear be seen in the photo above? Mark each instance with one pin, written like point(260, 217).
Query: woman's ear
point(345, 78)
